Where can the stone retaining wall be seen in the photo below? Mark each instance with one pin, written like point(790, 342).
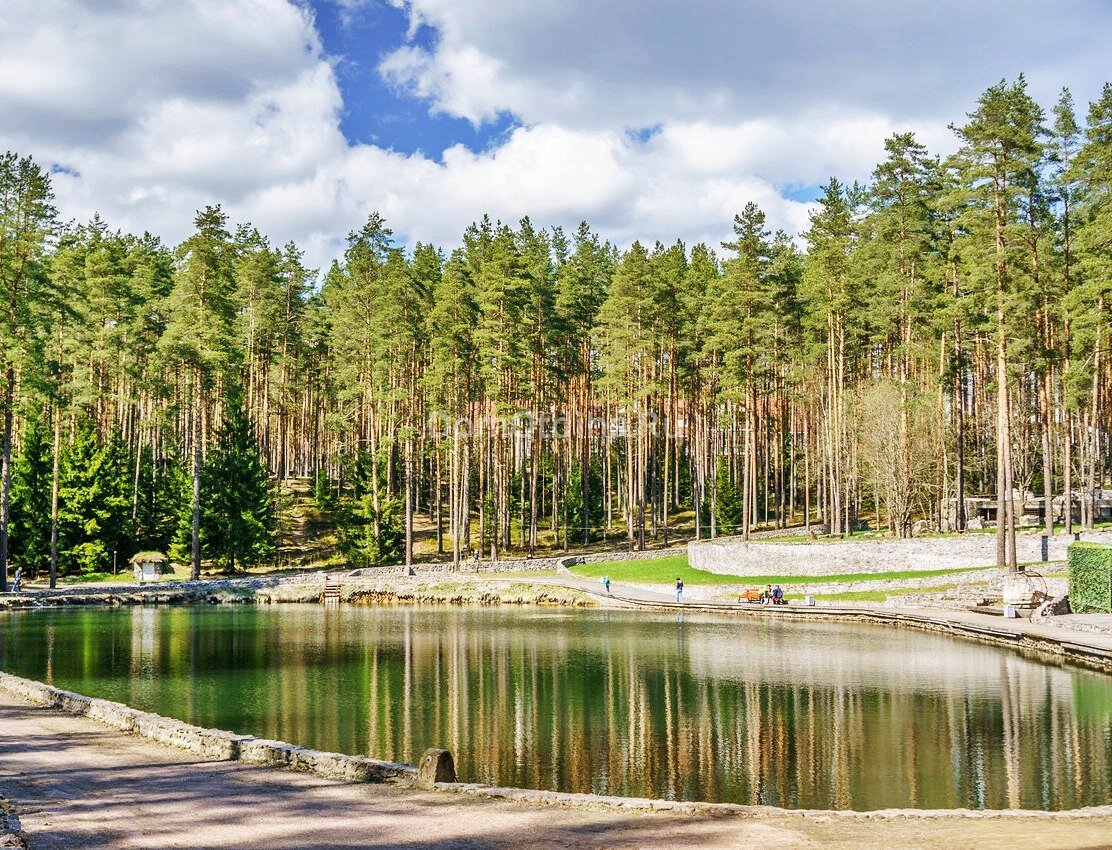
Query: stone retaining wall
point(734, 556)
point(211, 744)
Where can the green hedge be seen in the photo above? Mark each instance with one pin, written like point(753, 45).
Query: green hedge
point(1090, 578)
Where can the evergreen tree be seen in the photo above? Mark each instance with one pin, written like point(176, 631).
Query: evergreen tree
point(1000, 148)
point(323, 494)
point(830, 287)
point(94, 509)
point(163, 489)
point(199, 336)
point(238, 520)
point(27, 219)
point(1090, 299)
point(32, 478)
point(737, 320)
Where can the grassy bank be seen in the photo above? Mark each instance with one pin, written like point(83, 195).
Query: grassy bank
point(666, 570)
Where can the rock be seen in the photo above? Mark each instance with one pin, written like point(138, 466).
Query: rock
point(436, 766)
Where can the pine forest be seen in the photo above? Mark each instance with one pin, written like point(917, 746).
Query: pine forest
point(937, 334)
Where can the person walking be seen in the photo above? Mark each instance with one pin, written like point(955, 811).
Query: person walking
point(606, 581)
point(18, 580)
point(679, 589)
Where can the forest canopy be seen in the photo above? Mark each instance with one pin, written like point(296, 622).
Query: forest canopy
point(939, 332)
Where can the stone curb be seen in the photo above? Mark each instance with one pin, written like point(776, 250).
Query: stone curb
point(209, 744)
point(11, 832)
point(691, 808)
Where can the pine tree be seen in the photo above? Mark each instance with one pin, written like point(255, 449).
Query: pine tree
point(163, 485)
point(627, 326)
point(449, 381)
point(1000, 147)
point(736, 319)
point(899, 255)
point(199, 337)
point(830, 288)
point(1090, 299)
point(27, 219)
point(1064, 145)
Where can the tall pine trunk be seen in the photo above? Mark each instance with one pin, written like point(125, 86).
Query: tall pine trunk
point(6, 476)
point(195, 539)
point(57, 453)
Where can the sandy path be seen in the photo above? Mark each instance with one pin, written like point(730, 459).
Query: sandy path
point(77, 784)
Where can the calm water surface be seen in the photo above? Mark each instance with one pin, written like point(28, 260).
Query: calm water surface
point(699, 708)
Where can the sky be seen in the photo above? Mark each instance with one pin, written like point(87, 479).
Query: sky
point(651, 120)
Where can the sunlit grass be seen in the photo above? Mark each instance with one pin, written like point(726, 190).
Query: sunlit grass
point(667, 570)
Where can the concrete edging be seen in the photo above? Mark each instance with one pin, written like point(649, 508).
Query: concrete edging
point(209, 744)
point(686, 807)
point(11, 832)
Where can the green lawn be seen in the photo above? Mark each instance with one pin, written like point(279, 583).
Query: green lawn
point(666, 570)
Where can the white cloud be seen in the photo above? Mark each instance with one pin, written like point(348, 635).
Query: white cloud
point(626, 62)
point(155, 108)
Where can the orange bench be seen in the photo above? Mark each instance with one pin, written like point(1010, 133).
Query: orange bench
point(750, 594)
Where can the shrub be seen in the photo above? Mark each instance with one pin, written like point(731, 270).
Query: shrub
point(1090, 570)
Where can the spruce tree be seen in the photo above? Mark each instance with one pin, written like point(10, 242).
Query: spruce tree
point(94, 508)
point(238, 520)
point(31, 491)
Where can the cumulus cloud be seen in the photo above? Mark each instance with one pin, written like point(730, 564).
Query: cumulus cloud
point(650, 126)
point(581, 62)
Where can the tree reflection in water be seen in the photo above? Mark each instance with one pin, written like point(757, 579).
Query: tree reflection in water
point(812, 715)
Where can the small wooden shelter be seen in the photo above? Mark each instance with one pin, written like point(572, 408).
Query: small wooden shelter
point(148, 566)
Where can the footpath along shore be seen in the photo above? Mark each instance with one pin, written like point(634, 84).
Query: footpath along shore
point(74, 782)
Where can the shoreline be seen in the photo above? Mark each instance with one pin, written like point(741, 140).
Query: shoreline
point(1051, 637)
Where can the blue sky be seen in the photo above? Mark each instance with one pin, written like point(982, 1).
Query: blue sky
point(376, 112)
point(650, 119)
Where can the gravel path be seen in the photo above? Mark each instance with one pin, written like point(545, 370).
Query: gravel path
point(77, 784)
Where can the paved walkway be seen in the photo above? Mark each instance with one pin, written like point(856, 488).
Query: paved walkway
point(76, 784)
point(1080, 630)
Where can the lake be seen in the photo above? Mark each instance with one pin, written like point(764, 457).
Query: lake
point(745, 710)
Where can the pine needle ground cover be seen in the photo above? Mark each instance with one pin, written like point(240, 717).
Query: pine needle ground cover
point(667, 570)
point(1090, 571)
